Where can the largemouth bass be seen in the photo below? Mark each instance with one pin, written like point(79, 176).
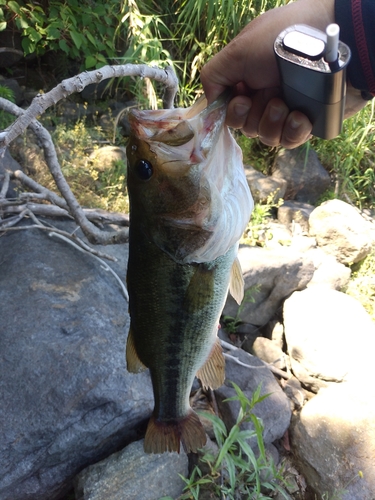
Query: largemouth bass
point(189, 205)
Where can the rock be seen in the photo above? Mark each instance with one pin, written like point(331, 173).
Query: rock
point(247, 333)
point(263, 186)
point(333, 438)
point(14, 86)
point(269, 352)
point(292, 212)
point(277, 334)
point(341, 231)
point(295, 392)
point(95, 91)
point(67, 399)
point(274, 411)
point(277, 235)
point(132, 474)
point(305, 176)
point(328, 271)
point(11, 43)
point(103, 158)
point(69, 111)
point(270, 276)
point(329, 335)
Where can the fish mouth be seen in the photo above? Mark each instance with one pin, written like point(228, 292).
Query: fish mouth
point(181, 136)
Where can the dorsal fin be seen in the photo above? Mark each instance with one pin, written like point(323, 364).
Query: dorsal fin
point(236, 285)
point(212, 373)
point(133, 363)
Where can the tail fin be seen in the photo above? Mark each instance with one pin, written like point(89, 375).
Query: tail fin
point(166, 436)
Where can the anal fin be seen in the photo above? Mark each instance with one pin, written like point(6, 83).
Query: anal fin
point(133, 363)
point(162, 436)
point(236, 285)
point(212, 373)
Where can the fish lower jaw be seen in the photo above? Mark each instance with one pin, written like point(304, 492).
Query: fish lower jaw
point(168, 435)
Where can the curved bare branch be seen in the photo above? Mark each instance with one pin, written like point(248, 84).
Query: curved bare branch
point(77, 83)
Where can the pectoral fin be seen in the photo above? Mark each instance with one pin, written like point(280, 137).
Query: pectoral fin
point(133, 363)
point(236, 285)
point(212, 373)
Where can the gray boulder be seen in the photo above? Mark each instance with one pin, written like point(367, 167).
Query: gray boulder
point(131, 474)
point(263, 186)
point(341, 231)
point(104, 157)
point(328, 271)
point(305, 176)
point(67, 400)
point(333, 440)
point(269, 351)
point(330, 337)
point(295, 212)
point(270, 276)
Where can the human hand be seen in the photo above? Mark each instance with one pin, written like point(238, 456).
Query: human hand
point(248, 65)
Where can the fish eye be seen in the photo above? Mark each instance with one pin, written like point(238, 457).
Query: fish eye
point(144, 170)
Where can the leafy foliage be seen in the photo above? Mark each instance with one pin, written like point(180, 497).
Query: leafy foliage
point(350, 158)
point(84, 30)
point(231, 323)
point(362, 283)
point(236, 471)
point(6, 118)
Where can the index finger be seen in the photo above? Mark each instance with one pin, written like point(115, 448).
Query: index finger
point(217, 75)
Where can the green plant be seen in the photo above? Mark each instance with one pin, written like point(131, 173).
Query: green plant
point(232, 323)
point(256, 154)
point(6, 118)
point(362, 283)
point(257, 231)
point(146, 34)
point(350, 158)
point(236, 471)
point(84, 30)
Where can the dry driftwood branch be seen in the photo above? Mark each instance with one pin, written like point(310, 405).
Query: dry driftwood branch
point(44, 194)
point(5, 186)
point(8, 206)
point(42, 102)
point(92, 233)
point(77, 83)
point(274, 370)
point(52, 229)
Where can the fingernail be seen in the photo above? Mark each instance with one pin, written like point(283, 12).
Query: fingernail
point(241, 109)
point(276, 113)
point(294, 124)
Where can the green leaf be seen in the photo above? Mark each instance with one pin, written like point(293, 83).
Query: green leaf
point(232, 473)
point(90, 62)
point(33, 35)
point(77, 38)
point(90, 38)
point(52, 33)
point(28, 46)
point(227, 444)
point(14, 7)
point(3, 25)
point(64, 46)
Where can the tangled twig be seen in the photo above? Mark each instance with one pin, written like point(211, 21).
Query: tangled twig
point(66, 204)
